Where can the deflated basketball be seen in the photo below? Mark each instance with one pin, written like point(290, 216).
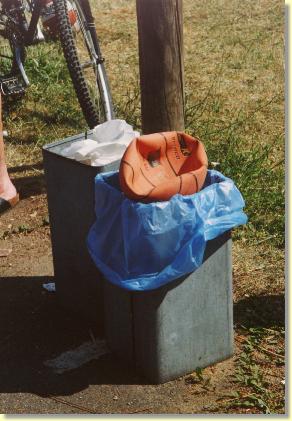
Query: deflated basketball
point(157, 166)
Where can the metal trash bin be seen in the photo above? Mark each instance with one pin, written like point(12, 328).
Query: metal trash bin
point(70, 192)
point(188, 323)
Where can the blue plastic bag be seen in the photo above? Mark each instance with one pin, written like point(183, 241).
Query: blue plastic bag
point(141, 246)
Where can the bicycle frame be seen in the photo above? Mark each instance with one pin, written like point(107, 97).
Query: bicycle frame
point(91, 27)
point(31, 30)
point(22, 29)
point(14, 9)
point(36, 8)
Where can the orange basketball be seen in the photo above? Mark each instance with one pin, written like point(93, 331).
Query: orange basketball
point(157, 166)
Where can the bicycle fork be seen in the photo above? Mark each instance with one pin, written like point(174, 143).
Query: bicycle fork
point(21, 68)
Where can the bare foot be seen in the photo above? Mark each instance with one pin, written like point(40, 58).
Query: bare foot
point(7, 189)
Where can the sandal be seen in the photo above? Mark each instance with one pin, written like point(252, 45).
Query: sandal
point(6, 205)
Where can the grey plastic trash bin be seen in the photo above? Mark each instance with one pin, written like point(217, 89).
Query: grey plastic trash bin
point(170, 331)
point(70, 192)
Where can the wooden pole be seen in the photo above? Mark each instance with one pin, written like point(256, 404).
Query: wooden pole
point(161, 64)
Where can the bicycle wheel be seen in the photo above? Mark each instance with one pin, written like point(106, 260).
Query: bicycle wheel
point(83, 57)
point(12, 57)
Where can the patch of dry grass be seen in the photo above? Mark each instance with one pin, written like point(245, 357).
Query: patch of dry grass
point(257, 270)
point(239, 50)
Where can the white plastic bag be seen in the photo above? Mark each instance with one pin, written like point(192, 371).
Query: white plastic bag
point(114, 131)
point(108, 144)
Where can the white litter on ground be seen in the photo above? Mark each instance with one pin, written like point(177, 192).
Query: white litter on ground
point(51, 286)
point(108, 144)
point(79, 356)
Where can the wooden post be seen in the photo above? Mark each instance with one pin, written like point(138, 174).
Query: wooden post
point(161, 64)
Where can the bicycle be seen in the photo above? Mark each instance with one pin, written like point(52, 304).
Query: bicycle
point(21, 26)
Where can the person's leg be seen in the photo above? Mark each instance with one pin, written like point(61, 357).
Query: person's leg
point(7, 189)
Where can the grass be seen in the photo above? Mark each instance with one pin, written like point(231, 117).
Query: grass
point(261, 184)
point(253, 370)
point(240, 115)
point(234, 87)
point(257, 389)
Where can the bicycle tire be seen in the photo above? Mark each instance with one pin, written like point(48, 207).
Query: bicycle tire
point(93, 113)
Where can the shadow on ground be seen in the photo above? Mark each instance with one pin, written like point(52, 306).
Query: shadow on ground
point(37, 329)
point(260, 311)
point(30, 185)
point(26, 167)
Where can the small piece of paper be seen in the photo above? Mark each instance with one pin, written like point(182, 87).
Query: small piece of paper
point(50, 286)
point(75, 358)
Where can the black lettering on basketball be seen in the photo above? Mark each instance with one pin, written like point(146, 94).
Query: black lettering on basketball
point(183, 146)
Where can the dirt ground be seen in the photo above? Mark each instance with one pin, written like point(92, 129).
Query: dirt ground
point(37, 329)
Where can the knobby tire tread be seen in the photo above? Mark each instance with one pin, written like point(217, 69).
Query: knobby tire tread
point(69, 50)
